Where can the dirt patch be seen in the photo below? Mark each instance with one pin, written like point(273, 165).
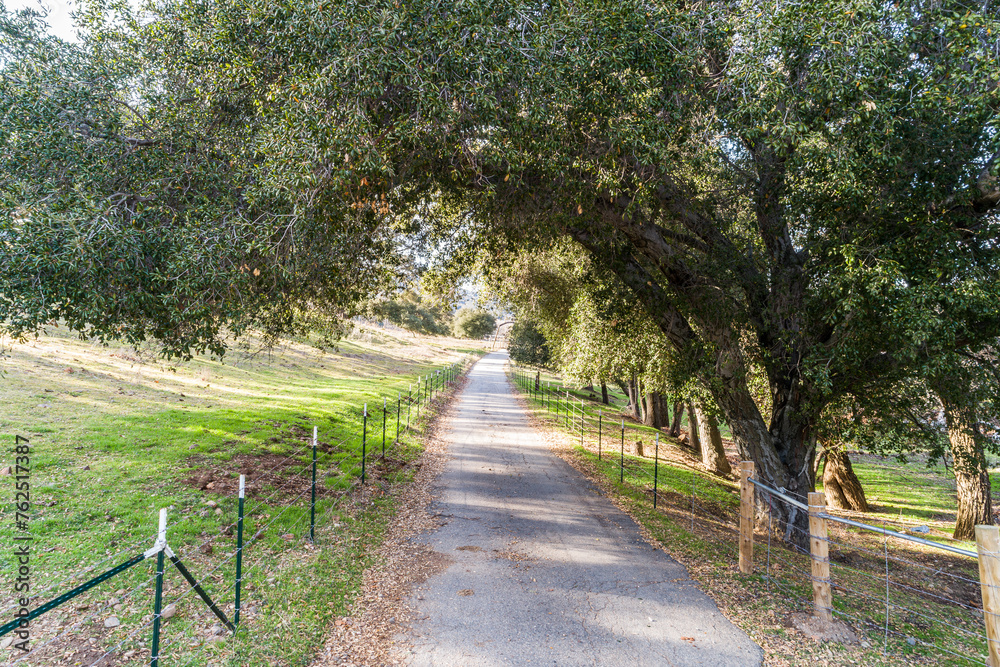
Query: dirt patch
point(266, 475)
point(820, 630)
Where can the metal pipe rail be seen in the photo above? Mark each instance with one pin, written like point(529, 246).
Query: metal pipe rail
point(865, 526)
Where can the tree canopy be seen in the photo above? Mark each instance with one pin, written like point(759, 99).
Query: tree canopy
point(811, 192)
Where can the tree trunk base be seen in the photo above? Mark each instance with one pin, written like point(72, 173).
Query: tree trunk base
point(842, 487)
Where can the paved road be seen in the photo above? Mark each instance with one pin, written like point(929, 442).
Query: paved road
point(543, 569)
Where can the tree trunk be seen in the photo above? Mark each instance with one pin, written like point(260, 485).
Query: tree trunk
point(972, 480)
point(694, 437)
point(604, 393)
point(675, 425)
point(653, 415)
point(713, 455)
point(633, 398)
point(784, 453)
point(842, 487)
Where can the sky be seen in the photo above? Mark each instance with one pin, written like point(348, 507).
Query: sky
point(59, 20)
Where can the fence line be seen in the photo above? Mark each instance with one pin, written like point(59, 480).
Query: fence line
point(429, 387)
point(830, 568)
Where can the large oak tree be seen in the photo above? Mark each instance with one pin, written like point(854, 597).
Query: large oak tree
point(809, 190)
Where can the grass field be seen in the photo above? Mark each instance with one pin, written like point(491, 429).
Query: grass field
point(117, 434)
point(933, 598)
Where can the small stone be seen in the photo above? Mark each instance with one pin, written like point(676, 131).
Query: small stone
point(85, 468)
point(865, 644)
point(912, 641)
point(112, 622)
point(206, 549)
point(216, 630)
point(210, 485)
point(288, 536)
point(7, 471)
point(211, 503)
point(113, 601)
point(5, 642)
point(169, 611)
point(193, 447)
point(128, 654)
point(218, 510)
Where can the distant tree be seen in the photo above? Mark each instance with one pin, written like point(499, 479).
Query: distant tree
point(414, 312)
point(528, 345)
point(473, 323)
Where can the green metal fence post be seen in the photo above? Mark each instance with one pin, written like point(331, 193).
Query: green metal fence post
point(385, 414)
point(600, 427)
point(399, 405)
point(656, 468)
point(312, 501)
point(568, 406)
point(364, 443)
point(161, 542)
point(239, 550)
point(623, 452)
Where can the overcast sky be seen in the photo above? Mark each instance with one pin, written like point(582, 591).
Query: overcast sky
point(59, 20)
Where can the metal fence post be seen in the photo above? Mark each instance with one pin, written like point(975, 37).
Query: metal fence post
point(819, 550)
point(623, 453)
point(600, 427)
point(385, 414)
point(581, 422)
point(312, 502)
point(239, 551)
point(746, 517)
point(399, 405)
point(161, 539)
point(364, 443)
point(656, 469)
point(409, 402)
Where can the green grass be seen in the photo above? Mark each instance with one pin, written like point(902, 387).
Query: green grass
point(116, 436)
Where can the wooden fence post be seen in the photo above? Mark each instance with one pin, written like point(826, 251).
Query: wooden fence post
point(819, 549)
point(988, 546)
point(746, 517)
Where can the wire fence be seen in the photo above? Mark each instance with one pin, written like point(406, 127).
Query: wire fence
point(899, 595)
point(228, 582)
